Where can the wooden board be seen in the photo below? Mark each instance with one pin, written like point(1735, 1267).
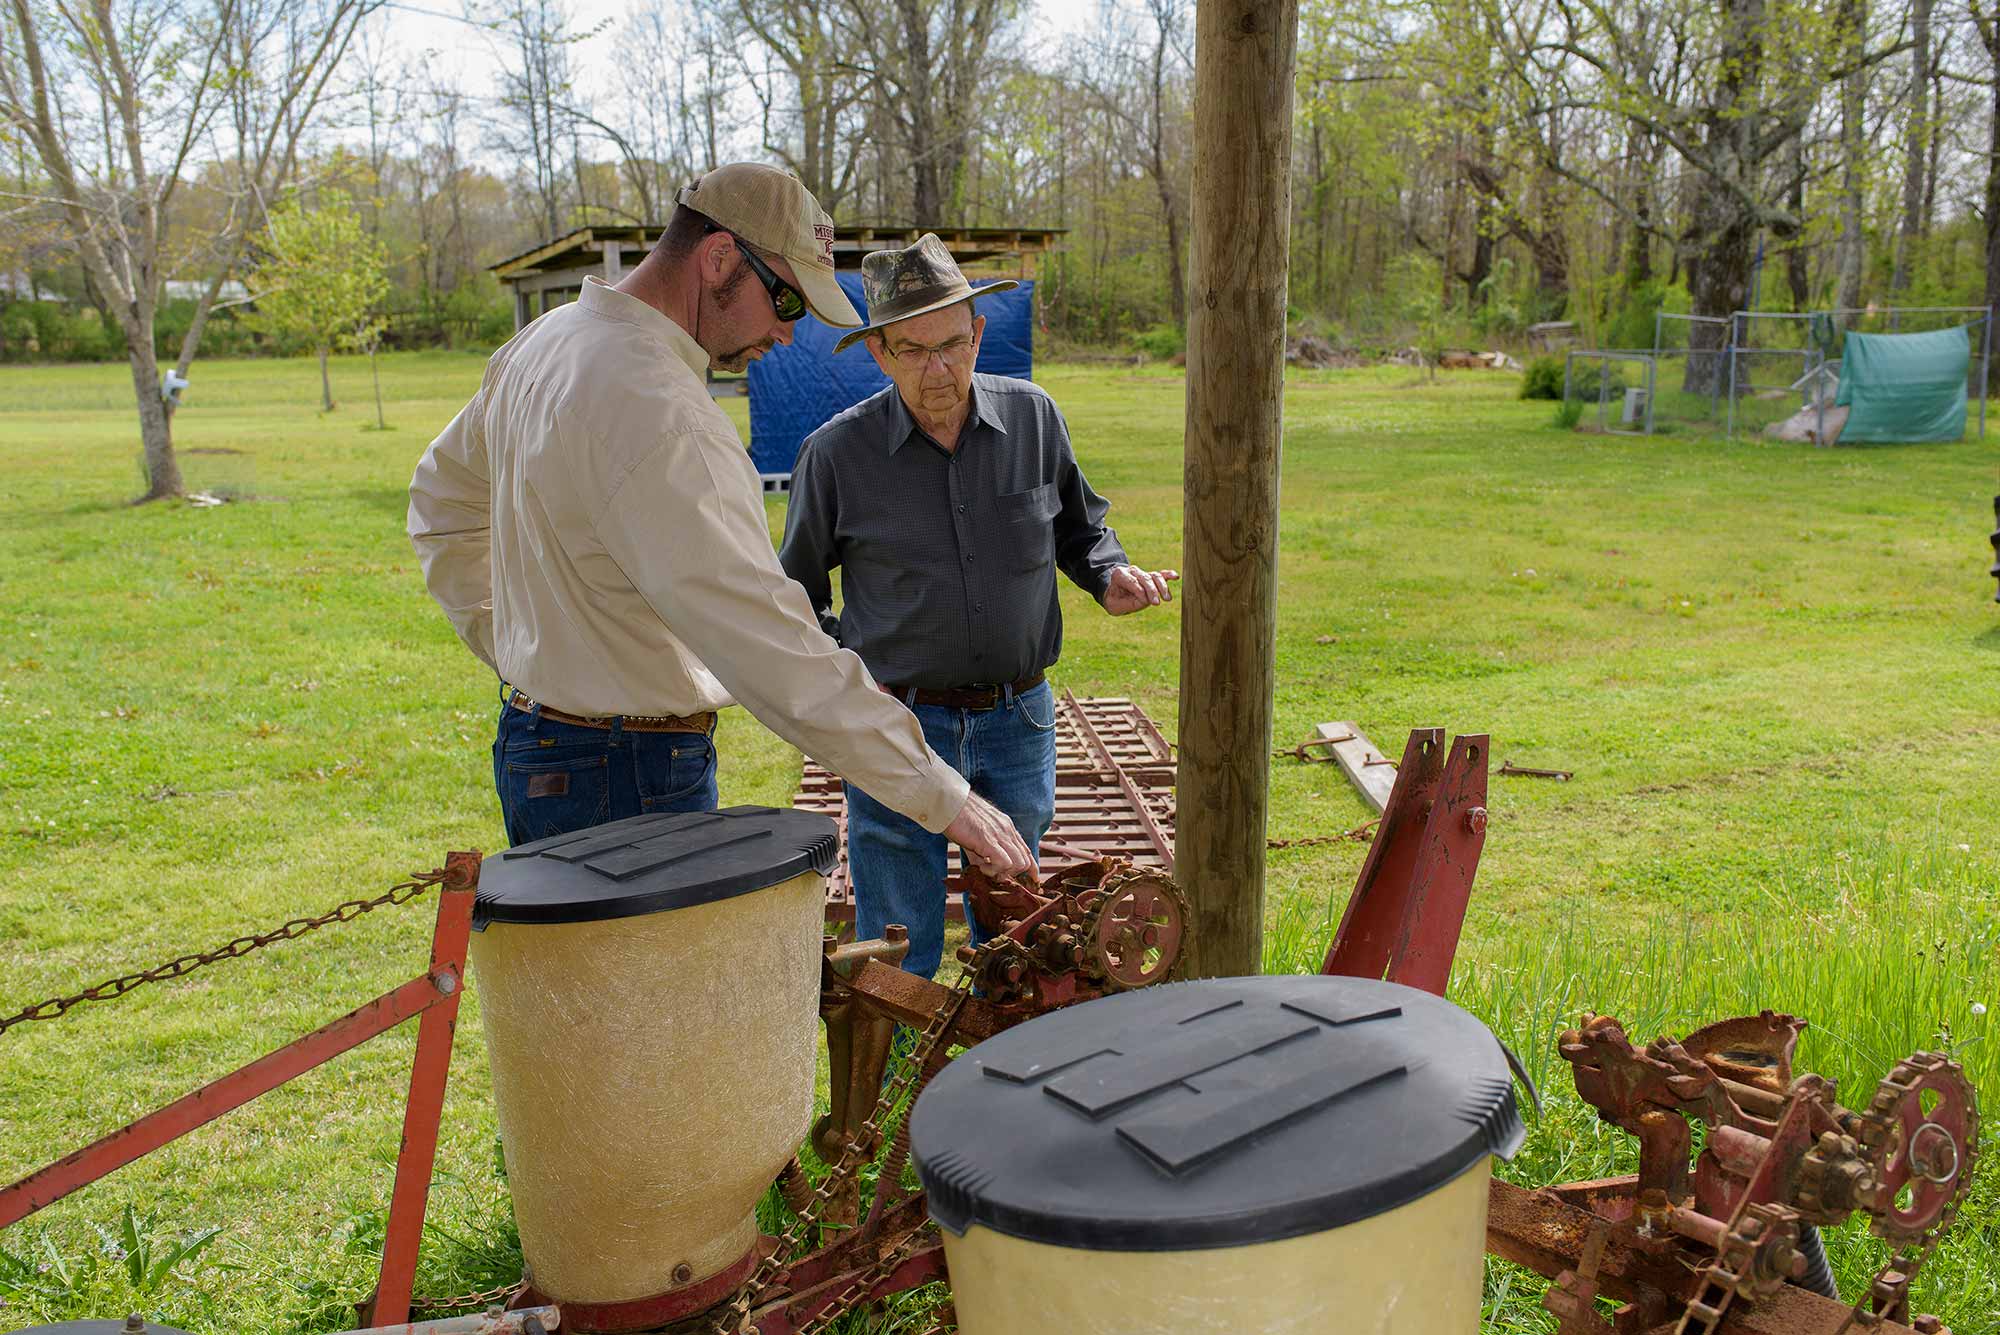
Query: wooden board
point(1114, 793)
point(1373, 773)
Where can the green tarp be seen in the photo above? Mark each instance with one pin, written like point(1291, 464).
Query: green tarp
point(1904, 387)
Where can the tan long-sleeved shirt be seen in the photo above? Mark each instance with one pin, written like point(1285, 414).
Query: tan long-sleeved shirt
point(595, 530)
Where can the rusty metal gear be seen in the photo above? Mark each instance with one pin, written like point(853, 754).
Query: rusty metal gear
point(1132, 935)
point(1920, 1162)
point(1920, 1156)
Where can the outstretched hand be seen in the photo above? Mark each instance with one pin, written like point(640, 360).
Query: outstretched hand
point(1132, 589)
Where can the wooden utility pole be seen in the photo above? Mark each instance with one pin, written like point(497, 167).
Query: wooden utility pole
point(1244, 55)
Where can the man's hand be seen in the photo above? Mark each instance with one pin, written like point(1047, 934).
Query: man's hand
point(990, 840)
point(1132, 589)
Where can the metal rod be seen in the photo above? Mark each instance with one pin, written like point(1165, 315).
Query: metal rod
point(1730, 353)
point(526, 1321)
point(1652, 388)
point(425, 1109)
point(48, 1185)
point(1985, 371)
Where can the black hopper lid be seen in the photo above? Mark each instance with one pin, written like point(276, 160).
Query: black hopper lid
point(1216, 1113)
point(649, 864)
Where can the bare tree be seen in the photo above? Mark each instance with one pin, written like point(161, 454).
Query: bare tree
point(929, 63)
point(536, 90)
point(115, 101)
point(807, 89)
point(1141, 76)
point(676, 71)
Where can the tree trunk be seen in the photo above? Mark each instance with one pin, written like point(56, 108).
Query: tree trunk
point(1245, 50)
point(1162, 179)
point(1724, 224)
point(1993, 199)
point(1853, 145)
point(325, 385)
point(1915, 155)
point(163, 470)
point(1176, 261)
point(926, 179)
point(1482, 257)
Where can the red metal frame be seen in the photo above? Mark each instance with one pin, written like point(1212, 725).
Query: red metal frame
point(1408, 906)
point(433, 995)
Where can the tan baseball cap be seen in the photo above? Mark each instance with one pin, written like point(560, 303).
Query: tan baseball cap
point(773, 211)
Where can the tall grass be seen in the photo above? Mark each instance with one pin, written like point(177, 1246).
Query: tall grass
point(1885, 948)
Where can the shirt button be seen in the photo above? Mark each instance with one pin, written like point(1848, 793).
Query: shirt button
point(961, 509)
point(979, 607)
point(968, 558)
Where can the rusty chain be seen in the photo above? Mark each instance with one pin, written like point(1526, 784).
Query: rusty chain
point(484, 1298)
point(734, 1317)
point(1361, 834)
point(112, 988)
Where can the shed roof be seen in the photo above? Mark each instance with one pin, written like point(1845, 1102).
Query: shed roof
point(584, 247)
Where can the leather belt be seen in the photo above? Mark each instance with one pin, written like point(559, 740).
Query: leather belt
point(701, 723)
point(964, 697)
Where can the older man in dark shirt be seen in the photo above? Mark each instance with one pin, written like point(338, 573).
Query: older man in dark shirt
point(948, 501)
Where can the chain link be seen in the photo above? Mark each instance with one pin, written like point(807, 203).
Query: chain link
point(112, 988)
point(1360, 834)
point(734, 1318)
point(484, 1298)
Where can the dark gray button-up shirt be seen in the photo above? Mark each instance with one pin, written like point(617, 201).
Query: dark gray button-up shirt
point(947, 561)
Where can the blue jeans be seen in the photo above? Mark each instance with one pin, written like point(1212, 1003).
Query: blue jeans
point(556, 778)
point(897, 867)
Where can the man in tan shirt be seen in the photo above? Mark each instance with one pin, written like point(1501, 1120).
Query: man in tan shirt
point(594, 529)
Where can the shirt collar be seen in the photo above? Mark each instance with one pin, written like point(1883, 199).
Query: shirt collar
point(600, 298)
point(904, 428)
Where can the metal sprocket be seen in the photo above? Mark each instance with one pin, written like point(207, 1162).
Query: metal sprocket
point(1132, 935)
point(1928, 1151)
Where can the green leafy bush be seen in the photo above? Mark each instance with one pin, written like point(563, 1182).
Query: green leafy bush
point(1161, 342)
point(1543, 379)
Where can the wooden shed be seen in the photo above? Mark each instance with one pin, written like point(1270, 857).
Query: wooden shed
point(553, 272)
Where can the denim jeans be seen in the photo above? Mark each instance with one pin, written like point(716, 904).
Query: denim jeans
point(555, 778)
point(897, 867)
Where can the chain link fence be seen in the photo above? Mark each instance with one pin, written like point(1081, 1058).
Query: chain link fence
point(1762, 373)
point(1609, 392)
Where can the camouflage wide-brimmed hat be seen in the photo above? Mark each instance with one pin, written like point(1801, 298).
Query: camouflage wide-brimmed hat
point(901, 284)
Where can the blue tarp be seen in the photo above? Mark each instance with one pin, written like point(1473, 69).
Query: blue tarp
point(795, 389)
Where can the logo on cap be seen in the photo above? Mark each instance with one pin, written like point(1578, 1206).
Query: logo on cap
point(823, 233)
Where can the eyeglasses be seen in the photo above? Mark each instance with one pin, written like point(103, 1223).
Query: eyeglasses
point(786, 301)
point(954, 352)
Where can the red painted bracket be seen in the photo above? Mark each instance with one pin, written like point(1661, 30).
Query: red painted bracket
point(1403, 920)
point(433, 995)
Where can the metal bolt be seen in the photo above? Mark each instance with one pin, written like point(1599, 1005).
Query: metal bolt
point(895, 933)
point(445, 982)
point(1475, 820)
point(683, 1273)
point(134, 1323)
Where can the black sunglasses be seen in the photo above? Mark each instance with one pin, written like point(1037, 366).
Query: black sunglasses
point(786, 301)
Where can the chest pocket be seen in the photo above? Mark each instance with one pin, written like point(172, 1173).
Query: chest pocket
point(1027, 527)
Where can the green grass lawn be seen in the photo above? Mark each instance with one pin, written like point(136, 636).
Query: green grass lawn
point(1773, 669)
